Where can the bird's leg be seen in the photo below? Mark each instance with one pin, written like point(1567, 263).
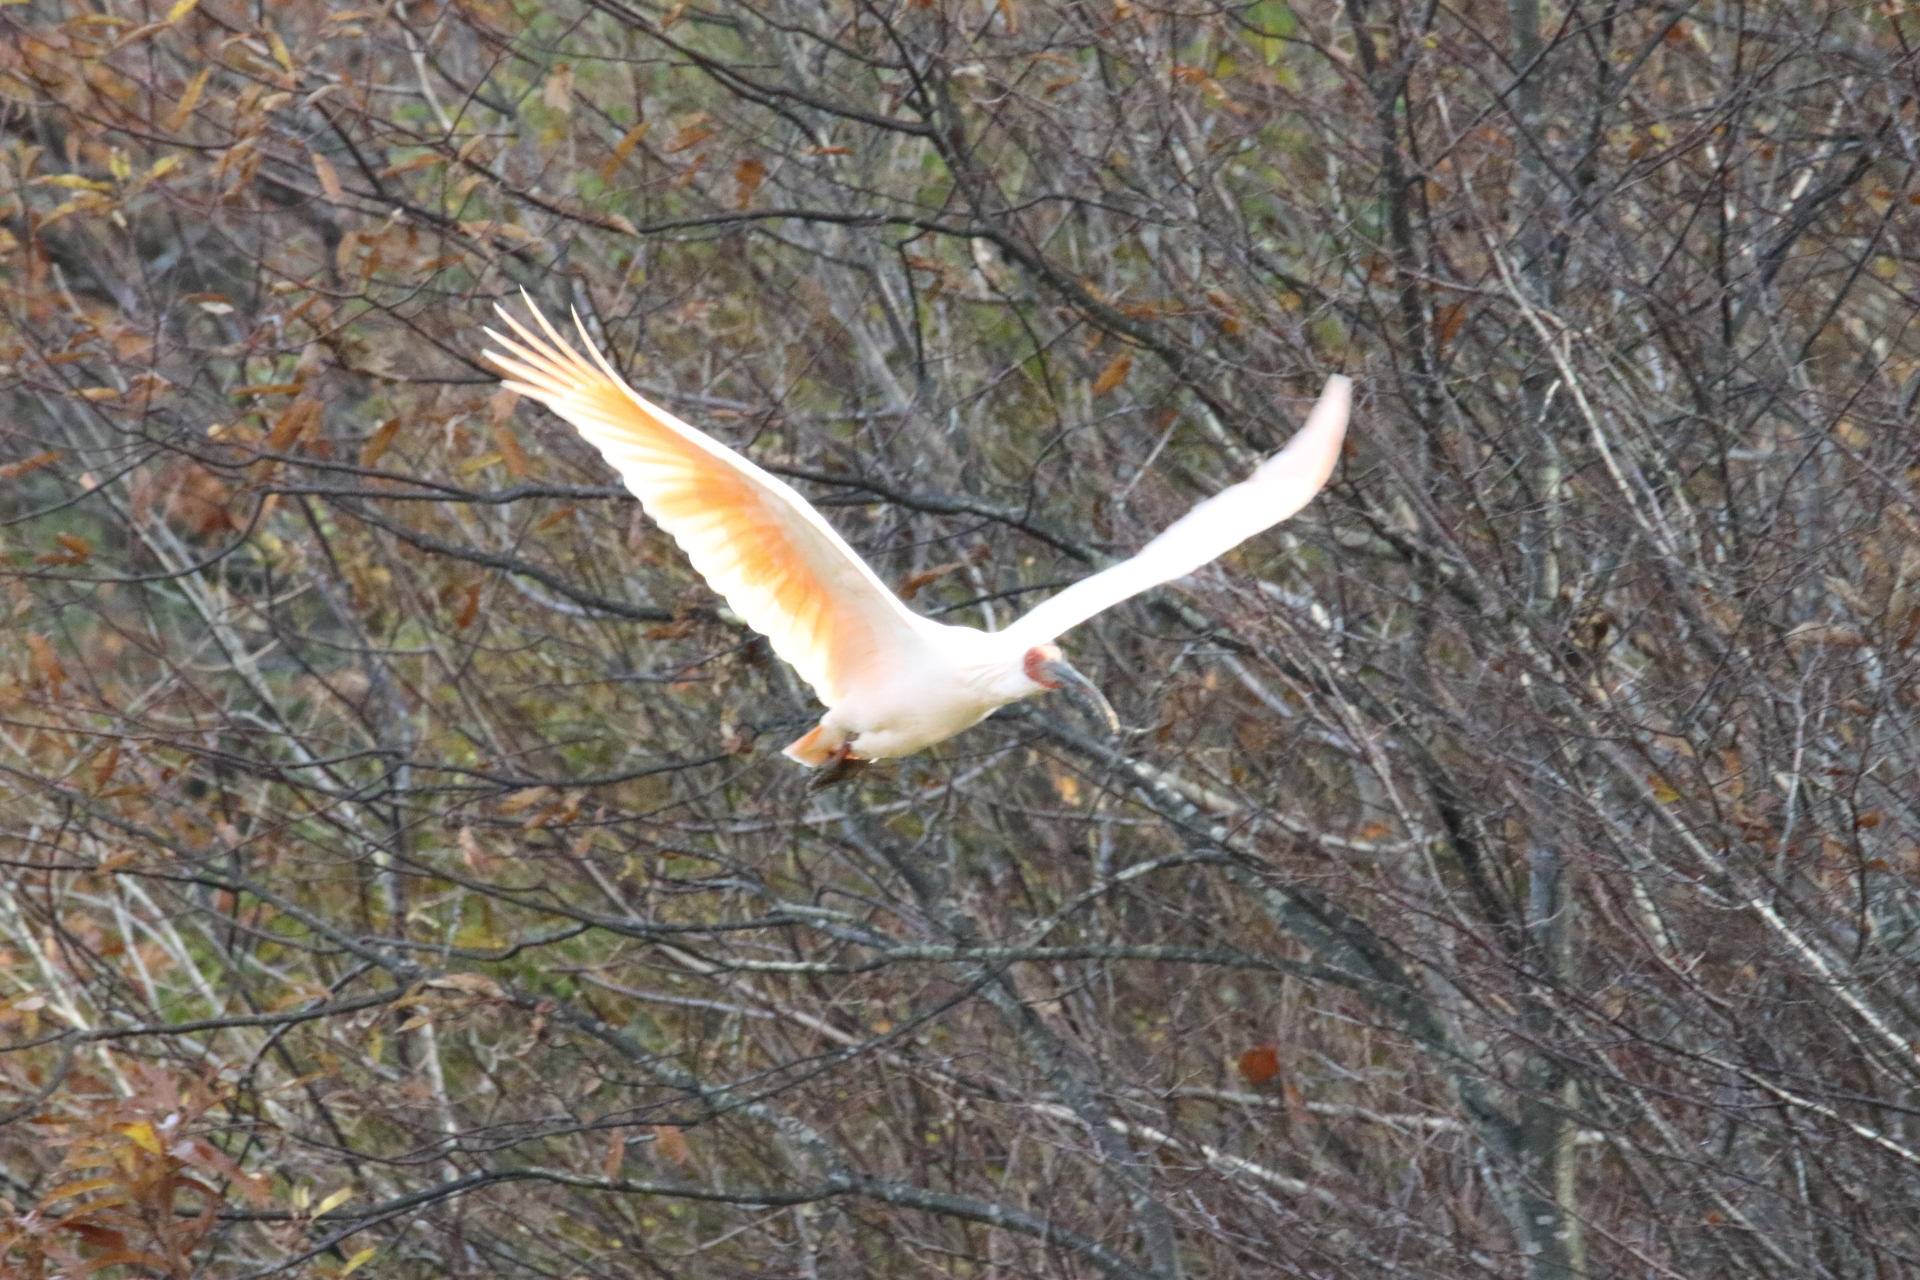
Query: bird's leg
point(840, 766)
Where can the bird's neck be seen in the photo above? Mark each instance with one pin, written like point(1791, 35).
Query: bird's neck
point(999, 675)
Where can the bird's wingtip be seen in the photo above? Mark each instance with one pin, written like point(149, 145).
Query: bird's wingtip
point(526, 300)
point(1329, 413)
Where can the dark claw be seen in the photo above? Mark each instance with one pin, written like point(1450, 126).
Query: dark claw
point(842, 767)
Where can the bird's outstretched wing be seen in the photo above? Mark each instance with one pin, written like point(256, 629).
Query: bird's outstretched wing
point(1277, 488)
point(758, 543)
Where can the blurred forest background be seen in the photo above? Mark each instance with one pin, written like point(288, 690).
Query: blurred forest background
point(1508, 868)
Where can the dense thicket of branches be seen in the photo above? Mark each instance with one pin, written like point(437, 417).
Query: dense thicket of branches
point(1511, 867)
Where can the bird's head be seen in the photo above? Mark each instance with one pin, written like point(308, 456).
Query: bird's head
point(1046, 667)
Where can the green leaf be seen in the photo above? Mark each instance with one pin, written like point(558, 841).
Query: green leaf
point(1275, 22)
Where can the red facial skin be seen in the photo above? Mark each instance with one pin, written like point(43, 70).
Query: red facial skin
point(1036, 659)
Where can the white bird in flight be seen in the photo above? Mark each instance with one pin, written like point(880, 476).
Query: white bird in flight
point(893, 682)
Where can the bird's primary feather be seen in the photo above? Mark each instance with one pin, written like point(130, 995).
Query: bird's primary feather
point(762, 546)
point(1277, 488)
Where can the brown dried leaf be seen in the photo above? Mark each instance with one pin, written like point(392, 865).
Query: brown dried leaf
point(1826, 633)
point(748, 175)
point(329, 176)
point(910, 586)
point(477, 862)
point(558, 95)
point(500, 405)
point(672, 1143)
point(690, 135)
point(469, 607)
point(525, 799)
point(623, 148)
point(293, 426)
point(103, 767)
point(474, 984)
point(135, 1257)
point(1113, 375)
point(14, 470)
point(344, 251)
point(510, 451)
point(674, 630)
point(46, 663)
point(377, 443)
point(202, 1154)
point(424, 161)
point(616, 1154)
point(189, 99)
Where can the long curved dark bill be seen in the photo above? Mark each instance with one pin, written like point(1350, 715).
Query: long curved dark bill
point(1083, 693)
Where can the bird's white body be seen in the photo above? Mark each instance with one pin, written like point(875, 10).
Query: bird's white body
point(893, 682)
point(951, 679)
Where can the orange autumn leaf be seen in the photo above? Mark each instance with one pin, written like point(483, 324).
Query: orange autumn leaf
point(1259, 1064)
point(748, 175)
point(46, 663)
point(1113, 375)
point(469, 607)
point(623, 148)
point(911, 584)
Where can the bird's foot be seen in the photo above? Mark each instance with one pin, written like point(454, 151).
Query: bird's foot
point(840, 766)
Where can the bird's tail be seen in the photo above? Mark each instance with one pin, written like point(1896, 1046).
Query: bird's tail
point(818, 746)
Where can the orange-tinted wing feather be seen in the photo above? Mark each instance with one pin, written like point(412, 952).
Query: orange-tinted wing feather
point(758, 543)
